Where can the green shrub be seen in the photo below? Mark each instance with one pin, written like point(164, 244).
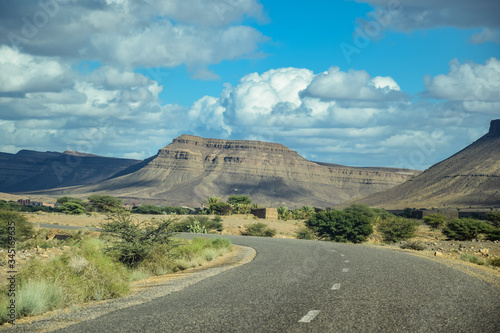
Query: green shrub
point(198, 251)
point(465, 228)
point(221, 208)
point(239, 199)
point(85, 273)
point(494, 219)
point(395, 229)
point(304, 233)
point(39, 296)
point(494, 262)
point(203, 221)
point(472, 258)
point(72, 208)
point(259, 229)
point(435, 221)
point(133, 241)
point(148, 209)
point(417, 246)
point(14, 228)
point(196, 228)
point(341, 226)
point(493, 234)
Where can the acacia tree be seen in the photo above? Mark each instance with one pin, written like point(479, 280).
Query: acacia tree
point(105, 203)
point(133, 241)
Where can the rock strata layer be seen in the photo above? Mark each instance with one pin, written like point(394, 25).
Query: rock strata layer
point(192, 168)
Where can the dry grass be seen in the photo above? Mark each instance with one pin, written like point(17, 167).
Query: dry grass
point(233, 224)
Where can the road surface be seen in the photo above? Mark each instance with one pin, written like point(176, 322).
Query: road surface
point(311, 286)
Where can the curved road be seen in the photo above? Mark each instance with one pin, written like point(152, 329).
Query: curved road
point(310, 286)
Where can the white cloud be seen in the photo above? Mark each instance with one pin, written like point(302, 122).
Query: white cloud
point(352, 85)
point(476, 86)
point(135, 33)
point(26, 73)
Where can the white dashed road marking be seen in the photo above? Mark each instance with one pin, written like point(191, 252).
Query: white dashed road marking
point(309, 316)
point(336, 286)
point(342, 255)
point(345, 270)
point(347, 261)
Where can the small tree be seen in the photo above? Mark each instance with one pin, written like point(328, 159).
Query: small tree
point(72, 208)
point(133, 241)
point(14, 224)
point(435, 221)
point(396, 228)
point(245, 208)
point(340, 226)
point(221, 208)
point(105, 203)
point(239, 199)
point(465, 228)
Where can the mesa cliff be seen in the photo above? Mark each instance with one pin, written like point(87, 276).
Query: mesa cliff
point(192, 168)
point(470, 177)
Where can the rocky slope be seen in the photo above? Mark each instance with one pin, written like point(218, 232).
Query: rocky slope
point(192, 168)
point(31, 170)
point(471, 177)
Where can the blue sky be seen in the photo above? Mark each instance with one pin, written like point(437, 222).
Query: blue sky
point(395, 83)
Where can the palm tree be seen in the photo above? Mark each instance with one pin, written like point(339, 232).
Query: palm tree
point(283, 213)
point(210, 201)
point(307, 211)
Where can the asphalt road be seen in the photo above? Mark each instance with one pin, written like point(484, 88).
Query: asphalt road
point(308, 286)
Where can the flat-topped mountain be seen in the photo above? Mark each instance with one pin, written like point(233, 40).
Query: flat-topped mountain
point(30, 170)
point(192, 168)
point(471, 177)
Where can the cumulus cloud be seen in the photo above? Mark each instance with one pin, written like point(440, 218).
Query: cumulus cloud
point(133, 33)
point(111, 107)
point(407, 15)
point(26, 73)
point(475, 86)
point(352, 85)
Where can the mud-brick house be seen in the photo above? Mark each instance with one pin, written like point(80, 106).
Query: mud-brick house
point(265, 213)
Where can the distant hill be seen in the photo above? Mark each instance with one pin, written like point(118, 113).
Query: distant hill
point(30, 170)
point(192, 168)
point(471, 177)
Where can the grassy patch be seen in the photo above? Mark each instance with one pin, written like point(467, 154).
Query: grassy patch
point(259, 229)
point(472, 258)
point(86, 272)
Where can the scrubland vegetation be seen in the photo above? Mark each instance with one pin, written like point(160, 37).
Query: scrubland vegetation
point(96, 268)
